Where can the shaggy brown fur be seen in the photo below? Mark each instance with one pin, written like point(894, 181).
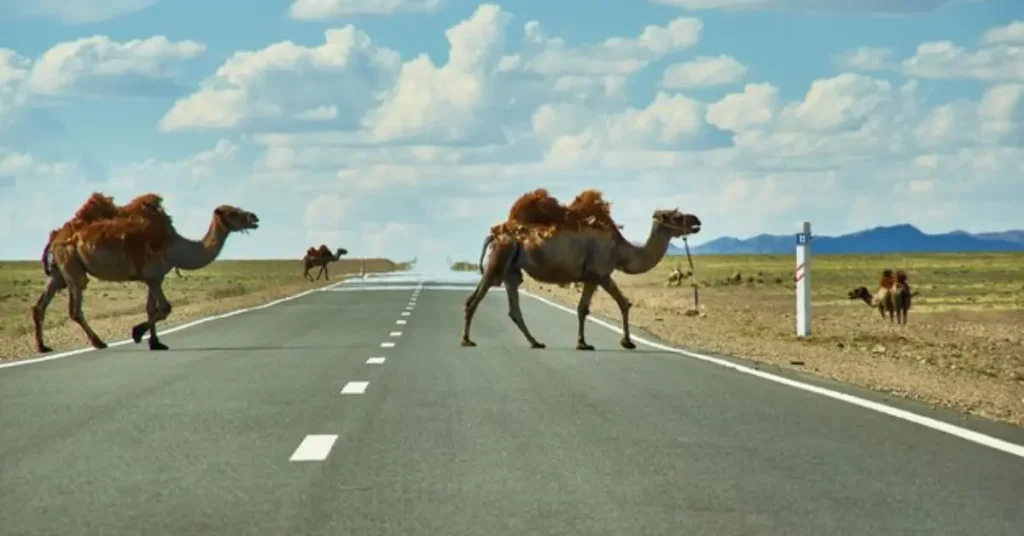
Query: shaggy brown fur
point(537, 215)
point(142, 225)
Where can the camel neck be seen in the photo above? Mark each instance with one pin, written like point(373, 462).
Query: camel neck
point(640, 259)
point(191, 254)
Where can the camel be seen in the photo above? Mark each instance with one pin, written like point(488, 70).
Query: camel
point(134, 242)
point(901, 297)
point(676, 276)
point(320, 257)
point(893, 295)
point(558, 244)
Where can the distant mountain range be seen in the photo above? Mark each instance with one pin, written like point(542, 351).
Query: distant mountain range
point(903, 238)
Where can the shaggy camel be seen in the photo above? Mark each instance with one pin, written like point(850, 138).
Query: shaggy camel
point(560, 244)
point(893, 295)
point(320, 257)
point(134, 242)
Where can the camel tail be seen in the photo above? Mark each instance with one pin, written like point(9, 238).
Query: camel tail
point(45, 258)
point(483, 251)
point(46, 264)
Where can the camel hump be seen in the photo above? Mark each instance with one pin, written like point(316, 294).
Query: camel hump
point(539, 209)
point(146, 202)
point(887, 279)
point(96, 207)
point(311, 251)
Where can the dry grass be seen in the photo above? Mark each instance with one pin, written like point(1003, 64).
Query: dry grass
point(963, 346)
point(112, 308)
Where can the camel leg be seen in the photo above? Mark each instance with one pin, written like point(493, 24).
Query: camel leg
point(609, 285)
point(472, 302)
point(582, 310)
point(305, 272)
point(54, 285)
point(327, 273)
point(75, 311)
point(514, 278)
point(158, 308)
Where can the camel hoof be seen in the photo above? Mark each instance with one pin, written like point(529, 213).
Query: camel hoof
point(137, 332)
point(44, 349)
point(157, 345)
point(468, 343)
point(99, 345)
point(584, 346)
point(627, 344)
point(537, 345)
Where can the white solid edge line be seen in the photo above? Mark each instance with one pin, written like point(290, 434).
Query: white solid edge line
point(935, 424)
point(375, 361)
point(193, 323)
point(355, 388)
point(314, 448)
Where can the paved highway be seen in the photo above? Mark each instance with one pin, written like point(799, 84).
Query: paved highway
point(354, 411)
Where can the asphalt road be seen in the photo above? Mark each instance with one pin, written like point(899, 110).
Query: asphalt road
point(259, 424)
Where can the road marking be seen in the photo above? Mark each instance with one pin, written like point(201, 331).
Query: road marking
point(314, 448)
point(28, 361)
point(387, 345)
point(395, 334)
point(935, 424)
point(400, 322)
point(354, 388)
point(377, 288)
point(375, 361)
point(405, 313)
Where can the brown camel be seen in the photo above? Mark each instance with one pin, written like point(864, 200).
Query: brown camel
point(893, 295)
point(134, 242)
point(560, 244)
point(320, 257)
point(901, 296)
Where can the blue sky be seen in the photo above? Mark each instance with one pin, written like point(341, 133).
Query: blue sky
point(407, 127)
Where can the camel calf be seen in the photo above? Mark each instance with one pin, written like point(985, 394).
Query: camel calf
point(676, 276)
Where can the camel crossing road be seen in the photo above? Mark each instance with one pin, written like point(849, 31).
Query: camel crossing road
point(352, 409)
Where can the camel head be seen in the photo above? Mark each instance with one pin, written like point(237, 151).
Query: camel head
point(676, 223)
point(235, 219)
point(860, 293)
point(341, 251)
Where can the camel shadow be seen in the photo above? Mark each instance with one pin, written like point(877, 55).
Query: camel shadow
point(239, 348)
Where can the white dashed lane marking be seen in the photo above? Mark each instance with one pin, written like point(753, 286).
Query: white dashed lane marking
point(387, 345)
point(354, 388)
point(375, 361)
point(395, 334)
point(400, 322)
point(314, 448)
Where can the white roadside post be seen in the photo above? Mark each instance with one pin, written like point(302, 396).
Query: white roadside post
point(802, 275)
